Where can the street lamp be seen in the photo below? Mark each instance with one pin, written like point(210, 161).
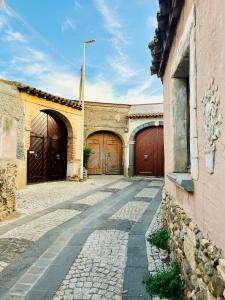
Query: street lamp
point(82, 102)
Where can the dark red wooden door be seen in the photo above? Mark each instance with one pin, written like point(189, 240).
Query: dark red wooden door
point(47, 155)
point(149, 152)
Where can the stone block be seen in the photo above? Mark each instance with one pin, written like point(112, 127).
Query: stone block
point(189, 251)
point(216, 285)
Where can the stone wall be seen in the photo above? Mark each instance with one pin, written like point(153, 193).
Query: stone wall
point(110, 117)
point(8, 167)
point(11, 104)
point(106, 116)
point(202, 263)
point(7, 188)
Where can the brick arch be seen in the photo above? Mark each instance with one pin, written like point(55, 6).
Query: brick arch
point(71, 135)
point(90, 132)
point(132, 143)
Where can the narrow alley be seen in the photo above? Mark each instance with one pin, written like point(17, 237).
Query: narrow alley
point(86, 245)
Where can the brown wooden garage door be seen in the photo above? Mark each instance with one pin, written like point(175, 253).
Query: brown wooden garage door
point(106, 153)
point(149, 152)
point(47, 155)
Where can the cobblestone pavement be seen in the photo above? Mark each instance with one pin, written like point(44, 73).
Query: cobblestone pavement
point(131, 211)
point(35, 229)
point(94, 198)
point(36, 197)
point(81, 244)
point(155, 255)
point(98, 270)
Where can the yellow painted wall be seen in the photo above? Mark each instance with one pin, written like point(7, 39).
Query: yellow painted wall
point(72, 119)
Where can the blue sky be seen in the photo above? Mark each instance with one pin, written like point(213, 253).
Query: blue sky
point(41, 46)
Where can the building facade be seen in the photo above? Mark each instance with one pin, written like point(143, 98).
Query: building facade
point(111, 131)
point(48, 133)
point(189, 56)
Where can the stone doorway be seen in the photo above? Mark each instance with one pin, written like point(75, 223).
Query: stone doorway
point(47, 155)
point(106, 153)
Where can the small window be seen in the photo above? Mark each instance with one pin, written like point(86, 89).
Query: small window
point(181, 116)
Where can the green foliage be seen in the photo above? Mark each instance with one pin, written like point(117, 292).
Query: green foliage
point(87, 153)
point(166, 284)
point(160, 239)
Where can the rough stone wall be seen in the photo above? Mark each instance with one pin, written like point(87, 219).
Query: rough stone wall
point(202, 263)
point(106, 116)
point(7, 188)
point(11, 104)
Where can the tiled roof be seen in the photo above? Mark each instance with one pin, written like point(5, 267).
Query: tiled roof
point(145, 115)
point(167, 17)
point(45, 95)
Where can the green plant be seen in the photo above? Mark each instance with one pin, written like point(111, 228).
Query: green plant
point(159, 239)
point(87, 153)
point(166, 284)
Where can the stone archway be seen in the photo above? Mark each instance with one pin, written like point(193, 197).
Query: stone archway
point(131, 168)
point(47, 154)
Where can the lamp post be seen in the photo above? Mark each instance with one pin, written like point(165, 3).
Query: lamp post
point(82, 102)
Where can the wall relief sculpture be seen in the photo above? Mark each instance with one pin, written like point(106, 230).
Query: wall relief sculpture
point(213, 119)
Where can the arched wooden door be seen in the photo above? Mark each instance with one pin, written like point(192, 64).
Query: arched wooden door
point(149, 152)
point(106, 153)
point(47, 155)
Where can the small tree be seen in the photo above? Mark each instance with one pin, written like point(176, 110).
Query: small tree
point(87, 153)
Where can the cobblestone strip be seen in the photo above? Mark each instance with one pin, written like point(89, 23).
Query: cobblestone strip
point(94, 198)
point(97, 272)
point(155, 255)
point(131, 211)
point(147, 192)
point(35, 229)
point(158, 183)
point(120, 185)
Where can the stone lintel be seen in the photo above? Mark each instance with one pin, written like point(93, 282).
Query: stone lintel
point(183, 180)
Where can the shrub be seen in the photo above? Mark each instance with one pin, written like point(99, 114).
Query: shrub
point(166, 284)
point(159, 239)
point(87, 153)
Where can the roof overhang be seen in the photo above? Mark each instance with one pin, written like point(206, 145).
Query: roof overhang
point(167, 18)
point(44, 95)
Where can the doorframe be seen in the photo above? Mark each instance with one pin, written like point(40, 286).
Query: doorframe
point(71, 138)
point(131, 167)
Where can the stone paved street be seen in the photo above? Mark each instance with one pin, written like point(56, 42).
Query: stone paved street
point(87, 243)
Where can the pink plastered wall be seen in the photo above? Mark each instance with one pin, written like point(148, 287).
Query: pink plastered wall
point(8, 137)
point(206, 206)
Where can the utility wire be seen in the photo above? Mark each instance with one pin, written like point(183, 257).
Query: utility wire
point(11, 12)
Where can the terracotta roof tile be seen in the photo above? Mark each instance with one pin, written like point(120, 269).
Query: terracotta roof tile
point(45, 95)
point(145, 115)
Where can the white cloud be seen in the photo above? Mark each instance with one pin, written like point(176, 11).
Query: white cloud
point(68, 23)
point(111, 21)
point(77, 4)
point(124, 71)
point(151, 22)
point(3, 22)
point(36, 68)
point(140, 93)
point(14, 36)
point(119, 62)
